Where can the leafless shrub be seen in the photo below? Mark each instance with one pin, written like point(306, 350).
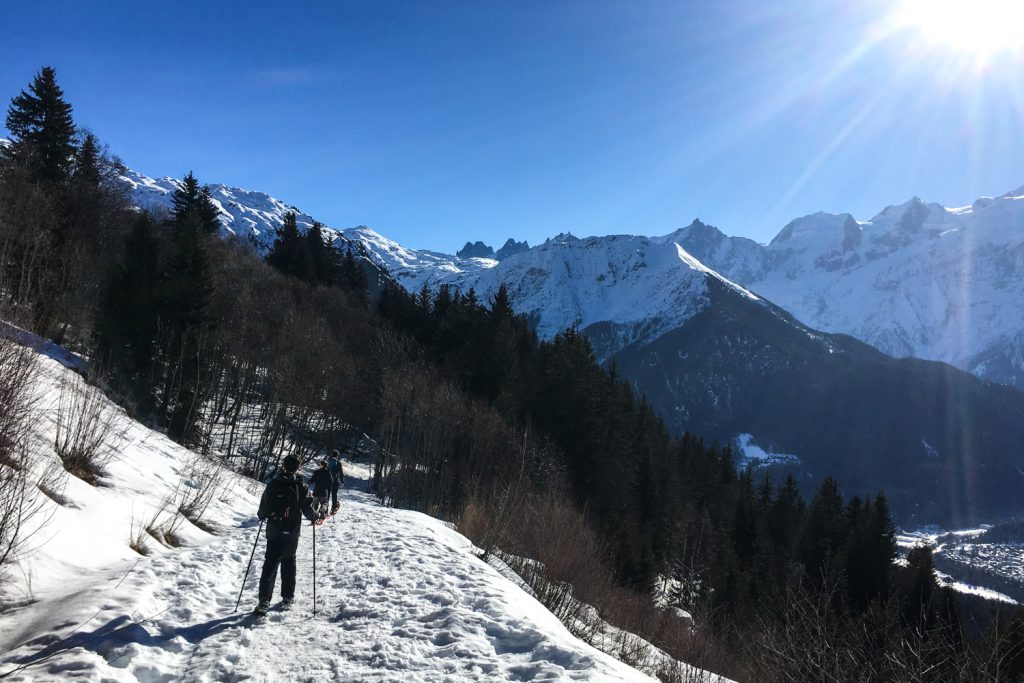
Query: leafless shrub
point(85, 424)
point(137, 538)
point(17, 406)
point(202, 479)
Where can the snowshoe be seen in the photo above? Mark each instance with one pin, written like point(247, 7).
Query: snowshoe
point(261, 609)
point(334, 509)
point(287, 603)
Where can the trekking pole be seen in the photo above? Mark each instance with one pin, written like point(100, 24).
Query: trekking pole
point(249, 566)
point(314, 569)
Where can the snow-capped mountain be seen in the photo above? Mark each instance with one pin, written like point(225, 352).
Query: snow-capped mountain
point(252, 215)
point(917, 280)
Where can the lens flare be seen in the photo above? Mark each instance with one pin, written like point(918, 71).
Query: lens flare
point(977, 28)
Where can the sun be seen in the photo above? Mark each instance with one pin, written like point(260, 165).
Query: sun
point(975, 28)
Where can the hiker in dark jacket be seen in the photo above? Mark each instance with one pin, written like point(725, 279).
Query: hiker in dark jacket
point(321, 487)
point(285, 500)
point(337, 478)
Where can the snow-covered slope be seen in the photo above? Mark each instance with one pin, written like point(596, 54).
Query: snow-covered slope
point(400, 596)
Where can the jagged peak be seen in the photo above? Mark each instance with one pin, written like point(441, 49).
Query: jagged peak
point(562, 238)
point(511, 248)
point(475, 250)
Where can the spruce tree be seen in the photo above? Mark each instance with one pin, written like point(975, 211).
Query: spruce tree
point(193, 206)
point(42, 128)
point(185, 307)
point(290, 251)
point(87, 163)
point(324, 263)
point(351, 274)
point(824, 535)
point(128, 319)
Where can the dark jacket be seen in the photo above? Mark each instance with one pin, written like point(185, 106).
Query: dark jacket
point(321, 483)
point(334, 467)
point(286, 491)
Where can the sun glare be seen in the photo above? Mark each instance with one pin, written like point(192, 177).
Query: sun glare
point(979, 28)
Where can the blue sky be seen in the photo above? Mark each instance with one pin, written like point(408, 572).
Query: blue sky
point(441, 122)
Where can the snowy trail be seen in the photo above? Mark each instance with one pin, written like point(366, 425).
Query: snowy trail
point(400, 597)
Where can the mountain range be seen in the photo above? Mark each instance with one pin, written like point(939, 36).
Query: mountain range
point(769, 347)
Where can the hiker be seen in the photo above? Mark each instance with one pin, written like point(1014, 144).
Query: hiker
point(337, 478)
point(322, 482)
point(285, 500)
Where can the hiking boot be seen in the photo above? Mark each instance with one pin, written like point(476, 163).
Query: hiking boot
point(262, 608)
point(287, 603)
point(335, 508)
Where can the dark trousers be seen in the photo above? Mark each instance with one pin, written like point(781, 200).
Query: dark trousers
point(280, 551)
point(334, 494)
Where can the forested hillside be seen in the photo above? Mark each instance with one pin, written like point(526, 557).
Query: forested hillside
point(532, 449)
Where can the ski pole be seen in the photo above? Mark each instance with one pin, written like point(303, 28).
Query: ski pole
point(249, 566)
point(314, 569)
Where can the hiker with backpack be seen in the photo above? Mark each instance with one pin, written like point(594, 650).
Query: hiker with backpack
point(285, 501)
point(337, 478)
point(322, 482)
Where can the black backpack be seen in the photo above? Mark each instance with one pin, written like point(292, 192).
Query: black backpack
point(283, 500)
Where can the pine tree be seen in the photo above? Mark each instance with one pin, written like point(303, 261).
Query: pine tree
point(87, 163)
point(42, 128)
point(324, 264)
point(920, 587)
point(289, 253)
point(351, 274)
point(128, 319)
point(188, 293)
point(193, 206)
point(824, 535)
point(786, 520)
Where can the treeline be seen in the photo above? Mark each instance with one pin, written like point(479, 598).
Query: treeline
point(538, 453)
point(767, 574)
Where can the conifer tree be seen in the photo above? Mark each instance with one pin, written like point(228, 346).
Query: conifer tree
point(824, 534)
point(42, 128)
point(323, 263)
point(192, 206)
point(288, 252)
point(351, 274)
point(87, 163)
point(185, 306)
point(130, 310)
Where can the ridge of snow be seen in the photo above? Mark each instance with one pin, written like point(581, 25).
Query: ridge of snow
point(693, 263)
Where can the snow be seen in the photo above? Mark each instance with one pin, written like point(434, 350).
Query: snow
point(248, 214)
point(400, 596)
point(701, 268)
point(971, 589)
point(752, 454)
